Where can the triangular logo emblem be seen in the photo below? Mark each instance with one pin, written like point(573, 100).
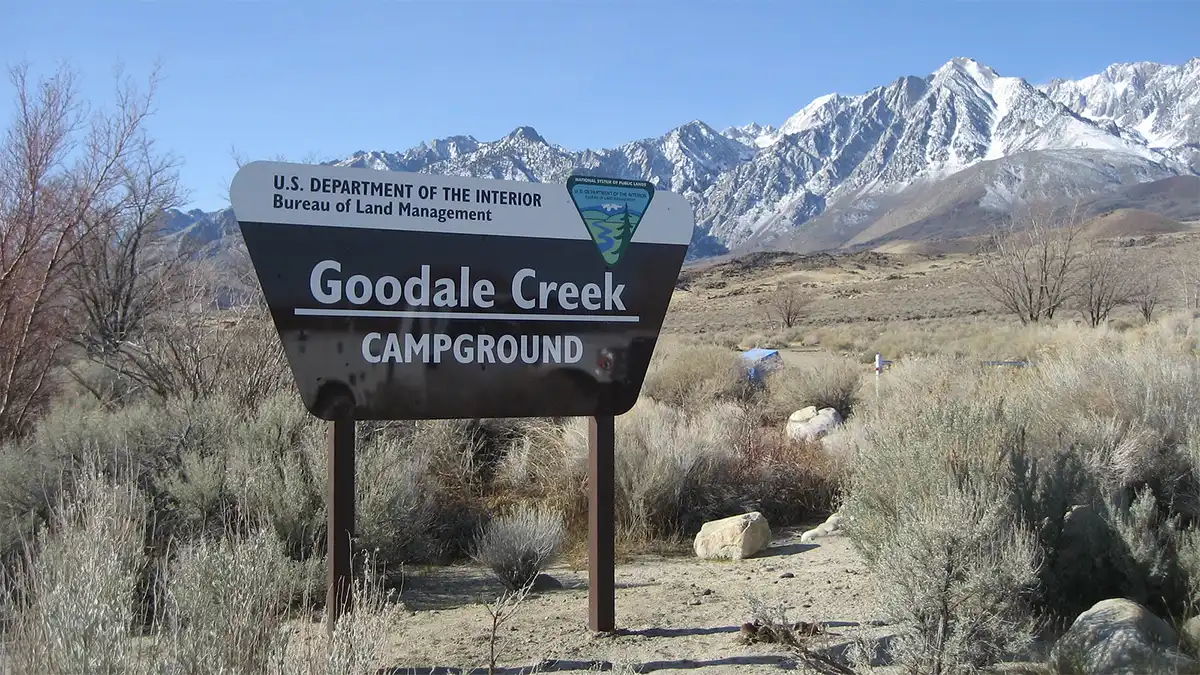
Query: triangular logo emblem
point(611, 209)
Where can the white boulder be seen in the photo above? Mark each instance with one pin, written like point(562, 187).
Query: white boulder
point(811, 423)
point(733, 538)
point(832, 526)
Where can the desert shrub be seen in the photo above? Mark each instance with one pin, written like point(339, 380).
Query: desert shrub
point(143, 442)
point(518, 546)
point(1091, 452)
point(548, 463)
point(360, 639)
point(674, 468)
point(956, 575)
point(692, 377)
point(401, 507)
point(788, 481)
point(1188, 557)
point(72, 607)
point(275, 465)
point(226, 601)
point(927, 506)
point(751, 341)
point(826, 382)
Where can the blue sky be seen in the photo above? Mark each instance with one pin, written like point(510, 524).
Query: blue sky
point(328, 78)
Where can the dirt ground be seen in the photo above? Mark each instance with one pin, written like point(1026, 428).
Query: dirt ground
point(673, 614)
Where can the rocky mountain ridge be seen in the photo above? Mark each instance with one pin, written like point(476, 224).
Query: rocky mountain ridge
point(959, 147)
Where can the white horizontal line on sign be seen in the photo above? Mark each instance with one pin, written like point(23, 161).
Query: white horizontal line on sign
point(478, 316)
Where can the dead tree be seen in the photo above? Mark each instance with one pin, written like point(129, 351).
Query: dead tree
point(125, 267)
point(190, 350)
point(1030, 272)
point(1104, 282)
point(1147, 295)
point(1189, 287)
point(786, 305)
point(60, 170)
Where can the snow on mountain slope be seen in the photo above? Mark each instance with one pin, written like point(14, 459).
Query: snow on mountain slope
point(913, 131)
point(686, 160)
point(1160, 102)
point(961, 142)
point(754, 134)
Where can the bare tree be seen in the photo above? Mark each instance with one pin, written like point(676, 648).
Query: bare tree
point(1147, 295)
point(1189, 287)
point(188, 350)
point(785, 305)
point(1104, 282)
point(123, 269)
point(59, 170)
point(1030, 273)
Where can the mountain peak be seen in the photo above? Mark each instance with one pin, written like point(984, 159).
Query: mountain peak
point(526, 133)
point(819, 111)
point(926, 155)
point(963, 66)
point(697, 127)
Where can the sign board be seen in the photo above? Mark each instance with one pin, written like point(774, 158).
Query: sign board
point(424, 297)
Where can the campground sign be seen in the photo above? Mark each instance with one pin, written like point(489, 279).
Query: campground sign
point(418, 296)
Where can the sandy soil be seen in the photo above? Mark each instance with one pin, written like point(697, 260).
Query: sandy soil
point(673, 613)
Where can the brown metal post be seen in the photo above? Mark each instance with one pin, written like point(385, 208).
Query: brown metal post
point(339, 506)
point(601, 524)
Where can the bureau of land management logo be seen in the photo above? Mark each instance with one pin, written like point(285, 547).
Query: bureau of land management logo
point(611, 209)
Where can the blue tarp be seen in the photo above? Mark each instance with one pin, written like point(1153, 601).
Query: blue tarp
point(760, 362)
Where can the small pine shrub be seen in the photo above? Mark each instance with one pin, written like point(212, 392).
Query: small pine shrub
point(518, 546)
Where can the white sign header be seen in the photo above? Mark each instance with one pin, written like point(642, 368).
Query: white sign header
point(333, 196)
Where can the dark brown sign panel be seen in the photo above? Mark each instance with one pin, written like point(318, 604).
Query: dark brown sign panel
point(426, 297)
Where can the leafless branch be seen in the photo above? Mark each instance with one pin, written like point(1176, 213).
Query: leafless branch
point(1147, 294)
point(61, 173)
point(786, 305)
point(1104, 282)
point(1030, 272)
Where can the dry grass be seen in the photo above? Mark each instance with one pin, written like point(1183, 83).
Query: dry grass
point(73, 607)
point(692, 376)
point(1104, 426)
point(828, 382)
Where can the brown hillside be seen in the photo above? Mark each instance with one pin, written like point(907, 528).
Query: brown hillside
point(1132, 223)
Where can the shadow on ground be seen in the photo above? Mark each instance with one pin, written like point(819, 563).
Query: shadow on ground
point(786, 549)
point(553, 666)
point(442, 590)
point(678, 632)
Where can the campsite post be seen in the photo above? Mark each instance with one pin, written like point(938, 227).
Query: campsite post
point(601, 524)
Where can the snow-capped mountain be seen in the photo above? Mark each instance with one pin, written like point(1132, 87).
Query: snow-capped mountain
point(1160, 103)
point(753, 135)
point(686, 160)
point(960, 145)
point(915, 131)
